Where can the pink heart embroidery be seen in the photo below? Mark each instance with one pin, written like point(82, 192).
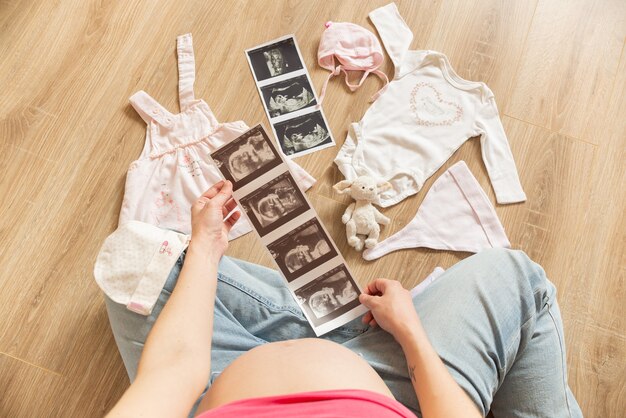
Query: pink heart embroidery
point(430, 109)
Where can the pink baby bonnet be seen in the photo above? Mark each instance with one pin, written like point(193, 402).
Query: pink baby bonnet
point(355, 48)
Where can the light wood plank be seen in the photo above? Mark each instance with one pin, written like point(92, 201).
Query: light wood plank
point(597, 345)
point(484, 40)
point(570, 62)
point(21, 388)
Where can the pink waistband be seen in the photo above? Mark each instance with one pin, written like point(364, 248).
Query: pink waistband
point(339, 403)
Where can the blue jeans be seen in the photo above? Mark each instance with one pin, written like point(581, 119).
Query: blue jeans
point(492, 318)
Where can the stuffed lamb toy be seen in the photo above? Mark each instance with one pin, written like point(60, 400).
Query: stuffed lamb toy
point(361, 217)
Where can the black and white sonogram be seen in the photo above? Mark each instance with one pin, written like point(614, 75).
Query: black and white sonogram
point(302, 249)
point(303, 133)
point(288, 96)
point(247, 157)
point(274, 204)
point(275, 59)
point(329, 296)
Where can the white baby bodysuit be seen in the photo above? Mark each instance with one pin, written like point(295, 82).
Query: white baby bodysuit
point(424, 116)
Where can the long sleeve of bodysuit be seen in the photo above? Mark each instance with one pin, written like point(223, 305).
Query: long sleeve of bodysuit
point(497, 154)
point(394, 32)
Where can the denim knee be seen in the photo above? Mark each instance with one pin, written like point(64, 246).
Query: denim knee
point(515, 270)
point(516, 265)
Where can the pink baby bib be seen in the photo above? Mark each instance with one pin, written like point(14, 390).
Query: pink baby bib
point(455, 215)
point(134, 262)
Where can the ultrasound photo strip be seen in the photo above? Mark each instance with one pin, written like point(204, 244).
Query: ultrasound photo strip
point(288, 97)
point(274, 204)
point(303, 134)
point(302, 249)
point(275, 58)
point(289, 227)
point(329, 296)
point(247, 157)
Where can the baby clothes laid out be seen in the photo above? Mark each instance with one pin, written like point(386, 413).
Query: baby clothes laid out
point(455, 215)
point(175, 166)
point(426, 112)
point(355, 48)
point(135, 262)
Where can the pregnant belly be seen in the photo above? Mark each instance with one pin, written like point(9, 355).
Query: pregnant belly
point(291, 367)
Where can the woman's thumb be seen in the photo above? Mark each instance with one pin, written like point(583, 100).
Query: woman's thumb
point(366, 300)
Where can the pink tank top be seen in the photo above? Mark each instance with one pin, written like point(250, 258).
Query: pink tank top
point(327, 403)
point(175, 166)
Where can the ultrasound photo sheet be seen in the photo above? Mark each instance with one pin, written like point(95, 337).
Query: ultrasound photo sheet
point(314, 270)
point(288, 96)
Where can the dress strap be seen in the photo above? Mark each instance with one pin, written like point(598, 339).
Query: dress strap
point(186, 70)
point(149, 109)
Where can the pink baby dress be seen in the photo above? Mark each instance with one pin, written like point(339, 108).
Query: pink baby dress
point(175, 166)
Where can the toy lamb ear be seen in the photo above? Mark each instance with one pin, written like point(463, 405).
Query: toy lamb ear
point(383, 185)
point(343, 186)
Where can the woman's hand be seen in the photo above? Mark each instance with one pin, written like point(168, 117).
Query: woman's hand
point(439, 395)
point(391, 307)
point(209, 225)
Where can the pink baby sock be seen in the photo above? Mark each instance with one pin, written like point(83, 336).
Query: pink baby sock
point(455, 215)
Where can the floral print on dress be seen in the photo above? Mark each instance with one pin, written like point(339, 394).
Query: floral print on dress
point(430, 109)
point(191, 166)
point(166, 209)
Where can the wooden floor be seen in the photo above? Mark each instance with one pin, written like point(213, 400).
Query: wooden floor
point(68, 134)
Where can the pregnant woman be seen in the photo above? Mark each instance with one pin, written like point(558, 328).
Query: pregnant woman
point(485, 335)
